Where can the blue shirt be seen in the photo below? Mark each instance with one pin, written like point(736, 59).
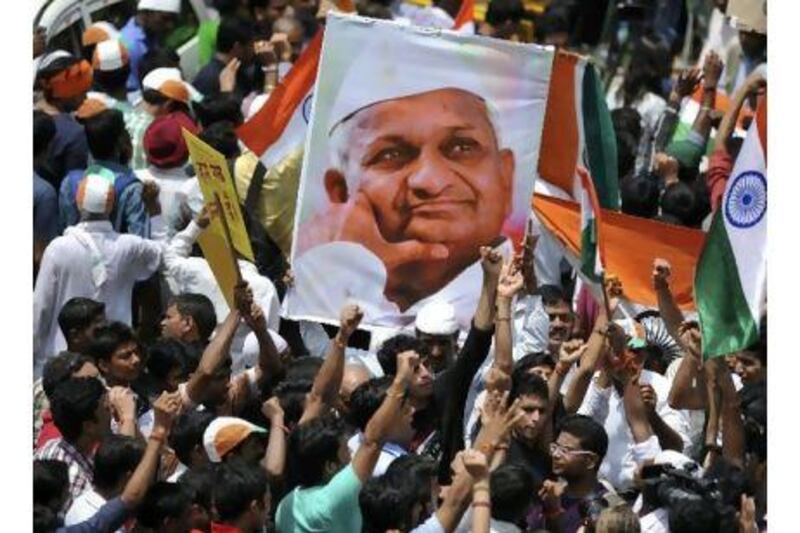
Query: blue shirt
point(45, 210)
point(129, 214)
point(69, 149)
point(135, 40)
point(110, 517)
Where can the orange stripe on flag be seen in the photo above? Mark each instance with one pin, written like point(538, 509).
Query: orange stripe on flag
point(630, 246)
point(558, 153)
point(268, 124)
point(466, 14)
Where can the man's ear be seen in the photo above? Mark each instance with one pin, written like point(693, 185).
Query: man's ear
point(335, 186)
point(102, 365)
point(507, 167)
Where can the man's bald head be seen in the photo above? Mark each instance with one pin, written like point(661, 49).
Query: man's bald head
point(354, 375)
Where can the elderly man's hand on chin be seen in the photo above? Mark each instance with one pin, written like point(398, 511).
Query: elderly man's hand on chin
point(354, 221)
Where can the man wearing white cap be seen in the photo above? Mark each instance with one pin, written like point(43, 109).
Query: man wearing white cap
point(421, 172)
point(92, 260)
point(437, 327)
point(153, 21)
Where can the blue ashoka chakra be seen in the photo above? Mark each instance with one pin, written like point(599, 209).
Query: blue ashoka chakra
point(747, 200)
point(307, 108)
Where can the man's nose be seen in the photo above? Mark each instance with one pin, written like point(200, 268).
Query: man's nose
point(432, 177)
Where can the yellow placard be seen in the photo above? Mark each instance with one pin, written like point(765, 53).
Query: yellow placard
point(220, 259)
point(216, 181)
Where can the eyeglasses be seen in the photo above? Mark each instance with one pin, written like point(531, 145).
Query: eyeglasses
point(557, 449)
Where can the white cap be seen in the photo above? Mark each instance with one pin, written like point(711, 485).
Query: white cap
point(677, 460)
point(437, 318)
point(250, 350)
point(110, 55)
point(394, 69)
point(224, 433)
point(168, 6)
point(96, 191)
point(169, 82)
point(98, 32)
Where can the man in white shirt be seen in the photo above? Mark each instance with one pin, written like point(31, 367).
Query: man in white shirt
point(603, 402)
point(114, 463)
point(92, 260)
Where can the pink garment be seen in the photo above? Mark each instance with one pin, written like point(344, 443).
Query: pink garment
point(587, 309)
point(720, 166)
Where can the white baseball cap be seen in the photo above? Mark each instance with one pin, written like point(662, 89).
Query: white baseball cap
point(167, 6)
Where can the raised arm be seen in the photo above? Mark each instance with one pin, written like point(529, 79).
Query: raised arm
point(636, 411)
point(491, 262)
point(509, 284)
point(570, 352)
point(269, 362)
point(165, 409)
point(329, 378)
point(688, 389)
point(375, 433)
point(667, 308)
point(726, 128)
point(476, 465)
point(274, 462)
point(589, 362)
point(712, 70)
point(684, 86)
point(213, 356)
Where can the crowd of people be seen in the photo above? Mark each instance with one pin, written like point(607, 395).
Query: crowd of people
point(160, 405)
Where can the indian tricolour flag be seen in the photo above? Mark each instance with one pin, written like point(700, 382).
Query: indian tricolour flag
point(591, 255)
point(578, 131)
point(730, 281)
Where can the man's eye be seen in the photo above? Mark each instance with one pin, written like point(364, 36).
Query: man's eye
point(394, 155)
point(461, 147)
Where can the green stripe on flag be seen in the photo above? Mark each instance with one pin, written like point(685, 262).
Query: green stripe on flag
point(589, 251)
point(726, 323)
point(601, 143)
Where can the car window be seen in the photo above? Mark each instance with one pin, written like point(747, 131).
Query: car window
point(186, 27)
point(117, 14)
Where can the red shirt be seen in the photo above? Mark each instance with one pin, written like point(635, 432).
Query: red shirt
point(49, 430)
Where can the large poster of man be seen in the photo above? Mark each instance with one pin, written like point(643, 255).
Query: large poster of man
point(422, 149)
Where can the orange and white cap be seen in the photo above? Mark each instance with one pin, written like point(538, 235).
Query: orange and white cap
point(224, 433)
point(94, 104)
point(96, 191)
point(99, 32)
point(110, 55)
point(168, 81)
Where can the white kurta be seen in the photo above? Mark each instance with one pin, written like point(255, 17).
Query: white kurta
point(185, 274)
point(353, 274)
point(606, 407)
point(66, 272)
point(171, 183)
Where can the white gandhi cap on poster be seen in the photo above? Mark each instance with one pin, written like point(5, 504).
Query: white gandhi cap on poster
point(168, 6)
point(437, 318)
point(423, 60)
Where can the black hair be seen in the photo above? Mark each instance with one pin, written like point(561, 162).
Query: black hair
point(200, 308)
point(312, 445)
point(753, 398)
point(232, 30)
point(668, 219)
point(111, 80)
point(199, 483)
point(650, 63)
point(523, 383)
point(56, 66)
point(590, 434)
point(534, 359)
point(187, 433)
point(117, 456)
point(384, 506)
point(44, 129)
point(219, 108)
point(292, 396)
point(50, 480)
point(160, 57)
point(680, 201)
point(387, 354)
point(226, 7)
point(553, 295)
point(373, 10)
point(501, 11)
point(627, 119)
point(79, 313)
point(236, 486)
point(627, 148)
point(303, 368)
point(416, 472)
point(45, 520)
point(104, 132)
point(366, 399)
point(555, 19)
point(639, 195)
point(165, 355)
point(222, 137)
point(60, 368)
point(163, 501)
point(693, 516)
point(513, 489)
point(109, 338)
point(73, 402)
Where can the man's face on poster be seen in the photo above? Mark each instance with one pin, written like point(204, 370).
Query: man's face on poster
point(431, 168)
